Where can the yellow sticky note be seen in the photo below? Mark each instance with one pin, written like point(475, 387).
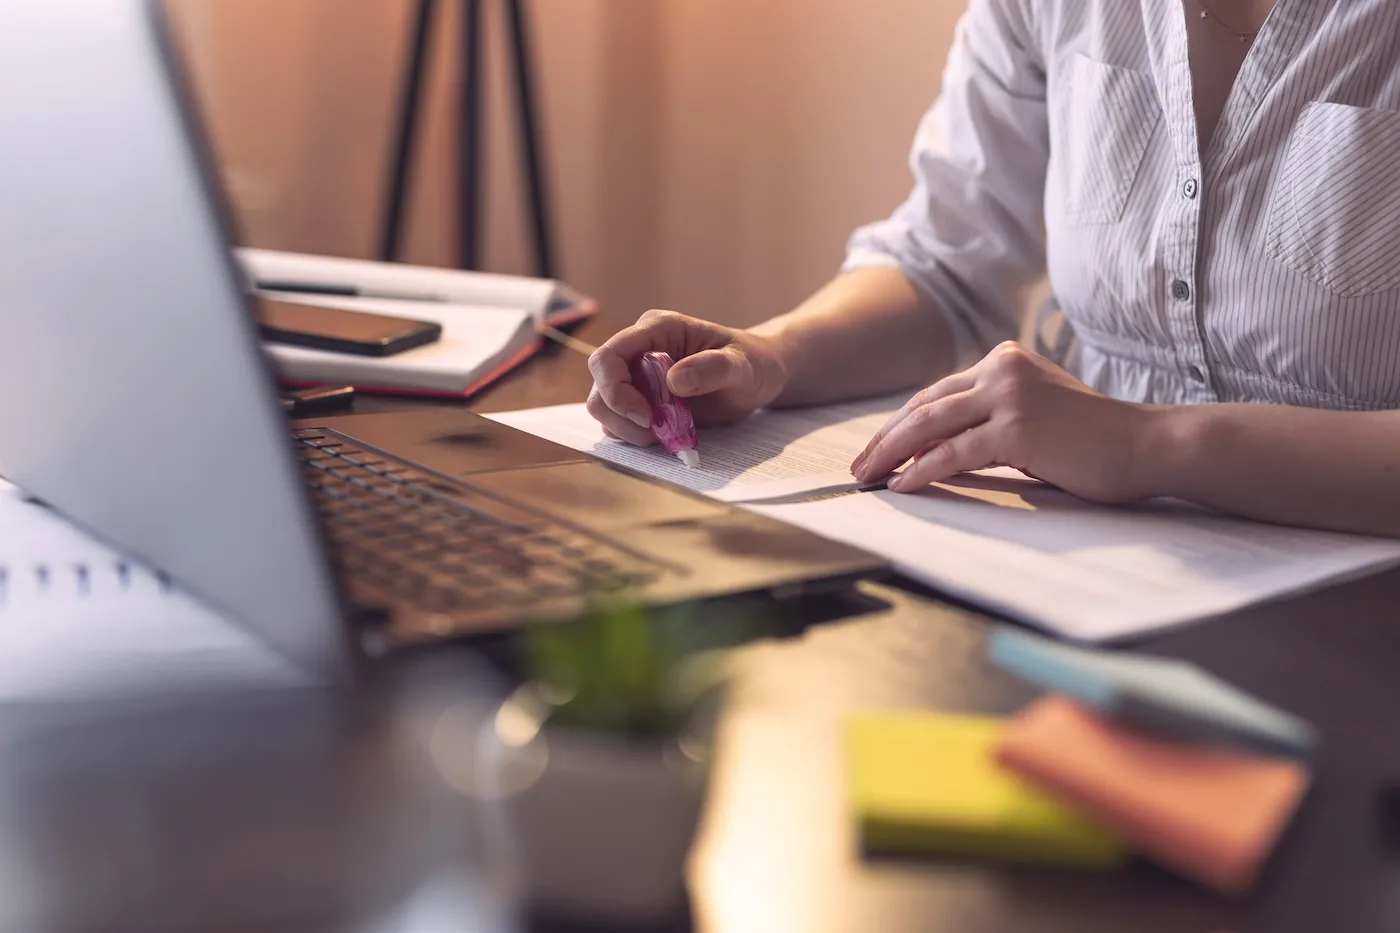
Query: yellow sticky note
point(928, 783)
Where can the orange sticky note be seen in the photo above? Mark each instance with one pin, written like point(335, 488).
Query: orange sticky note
point(1210, 812)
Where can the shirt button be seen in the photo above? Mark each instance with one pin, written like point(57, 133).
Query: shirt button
point(1180, 290)
point(1196, 373)
point(1189, 188)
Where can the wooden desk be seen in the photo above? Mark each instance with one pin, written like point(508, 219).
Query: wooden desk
point(97, 826)
point(776, 854)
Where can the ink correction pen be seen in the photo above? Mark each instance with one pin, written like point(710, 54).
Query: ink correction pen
point(671, 420)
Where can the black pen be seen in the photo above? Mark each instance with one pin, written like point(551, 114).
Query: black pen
point(347, 291)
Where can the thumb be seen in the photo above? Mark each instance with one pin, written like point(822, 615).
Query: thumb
point(709, 371)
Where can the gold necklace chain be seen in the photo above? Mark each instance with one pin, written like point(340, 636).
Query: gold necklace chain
point(1208, 13)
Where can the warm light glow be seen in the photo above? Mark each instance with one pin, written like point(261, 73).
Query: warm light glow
point(516, 726)
point(485, 756)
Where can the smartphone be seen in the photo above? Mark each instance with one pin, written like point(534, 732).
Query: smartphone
point(357, 332)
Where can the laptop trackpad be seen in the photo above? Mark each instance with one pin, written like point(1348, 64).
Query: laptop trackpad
point(594, 496)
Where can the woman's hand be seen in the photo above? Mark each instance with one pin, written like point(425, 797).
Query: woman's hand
point(724, 373)
point(1014, 408)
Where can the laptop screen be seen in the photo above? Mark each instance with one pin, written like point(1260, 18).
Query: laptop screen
point(134, 397)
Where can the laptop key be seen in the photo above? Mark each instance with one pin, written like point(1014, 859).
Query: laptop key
point(405, 537)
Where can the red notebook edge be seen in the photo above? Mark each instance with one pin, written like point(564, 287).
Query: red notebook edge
point(579, 311)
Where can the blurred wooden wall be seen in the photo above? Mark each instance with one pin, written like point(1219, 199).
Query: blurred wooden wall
point(706, 155)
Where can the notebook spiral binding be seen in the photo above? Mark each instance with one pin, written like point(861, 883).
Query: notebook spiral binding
point(49, 577)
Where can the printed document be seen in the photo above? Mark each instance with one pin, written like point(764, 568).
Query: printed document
point(1094, 573)
point(996, 538)
point(773, 453)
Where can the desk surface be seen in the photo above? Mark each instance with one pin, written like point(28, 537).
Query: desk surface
point(776, 852)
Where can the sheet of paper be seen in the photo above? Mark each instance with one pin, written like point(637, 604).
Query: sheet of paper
point(997, 538)
point(772, 453)
point(78, 621)
point(1089, 572)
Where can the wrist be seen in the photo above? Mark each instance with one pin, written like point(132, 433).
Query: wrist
point(1168, 438)
point(783, 353)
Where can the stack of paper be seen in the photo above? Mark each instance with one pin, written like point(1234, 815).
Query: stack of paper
point(996, 537)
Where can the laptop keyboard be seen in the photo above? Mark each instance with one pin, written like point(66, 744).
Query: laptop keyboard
point(403, 536)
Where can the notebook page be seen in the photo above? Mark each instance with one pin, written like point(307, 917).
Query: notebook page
point(453, 285)
point(79, 621)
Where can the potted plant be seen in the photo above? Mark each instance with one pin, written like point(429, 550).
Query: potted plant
point(605, 751)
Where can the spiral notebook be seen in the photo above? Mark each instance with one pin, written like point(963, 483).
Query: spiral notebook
point(78, 620)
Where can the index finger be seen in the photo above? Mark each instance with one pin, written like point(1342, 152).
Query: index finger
point(949, 385)
point(609, 365)
point(933, 423)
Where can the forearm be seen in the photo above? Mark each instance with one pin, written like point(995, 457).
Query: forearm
point(1325, 469)
point(865, 333)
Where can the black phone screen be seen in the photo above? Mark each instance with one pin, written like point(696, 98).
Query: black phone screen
point(306, 325)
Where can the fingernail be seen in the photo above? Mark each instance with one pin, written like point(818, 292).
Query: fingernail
point(897, 482)
point(858, 464)
point(641, 419)
point(683, 381)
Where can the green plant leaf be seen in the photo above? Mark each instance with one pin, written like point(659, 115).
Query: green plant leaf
point(624, 669)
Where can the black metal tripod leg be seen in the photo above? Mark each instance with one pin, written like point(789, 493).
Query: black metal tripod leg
point(405, 143)
point(532, 147)
point(469, 156)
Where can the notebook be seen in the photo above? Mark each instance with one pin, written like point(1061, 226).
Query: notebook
point(79, 621)
point(927, 783)
point(1211, 813)
point(490, 323)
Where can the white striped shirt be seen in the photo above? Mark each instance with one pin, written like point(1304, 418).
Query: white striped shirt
point(1064, 141)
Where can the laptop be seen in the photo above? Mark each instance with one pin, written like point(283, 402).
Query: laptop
point(136, 400)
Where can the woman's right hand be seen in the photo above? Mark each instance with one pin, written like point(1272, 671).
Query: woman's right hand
point(724, 373)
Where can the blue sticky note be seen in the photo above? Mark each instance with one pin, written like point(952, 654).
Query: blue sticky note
point(1161, 694)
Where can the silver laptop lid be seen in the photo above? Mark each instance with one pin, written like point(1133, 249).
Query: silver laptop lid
point(133, 393)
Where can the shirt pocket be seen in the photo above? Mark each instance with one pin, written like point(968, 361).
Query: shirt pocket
point(1105, 118)
point(1334, 215)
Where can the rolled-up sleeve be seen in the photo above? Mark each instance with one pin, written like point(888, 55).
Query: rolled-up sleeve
point(971, 234)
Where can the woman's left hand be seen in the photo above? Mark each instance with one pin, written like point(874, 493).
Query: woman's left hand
point(1014, 408)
